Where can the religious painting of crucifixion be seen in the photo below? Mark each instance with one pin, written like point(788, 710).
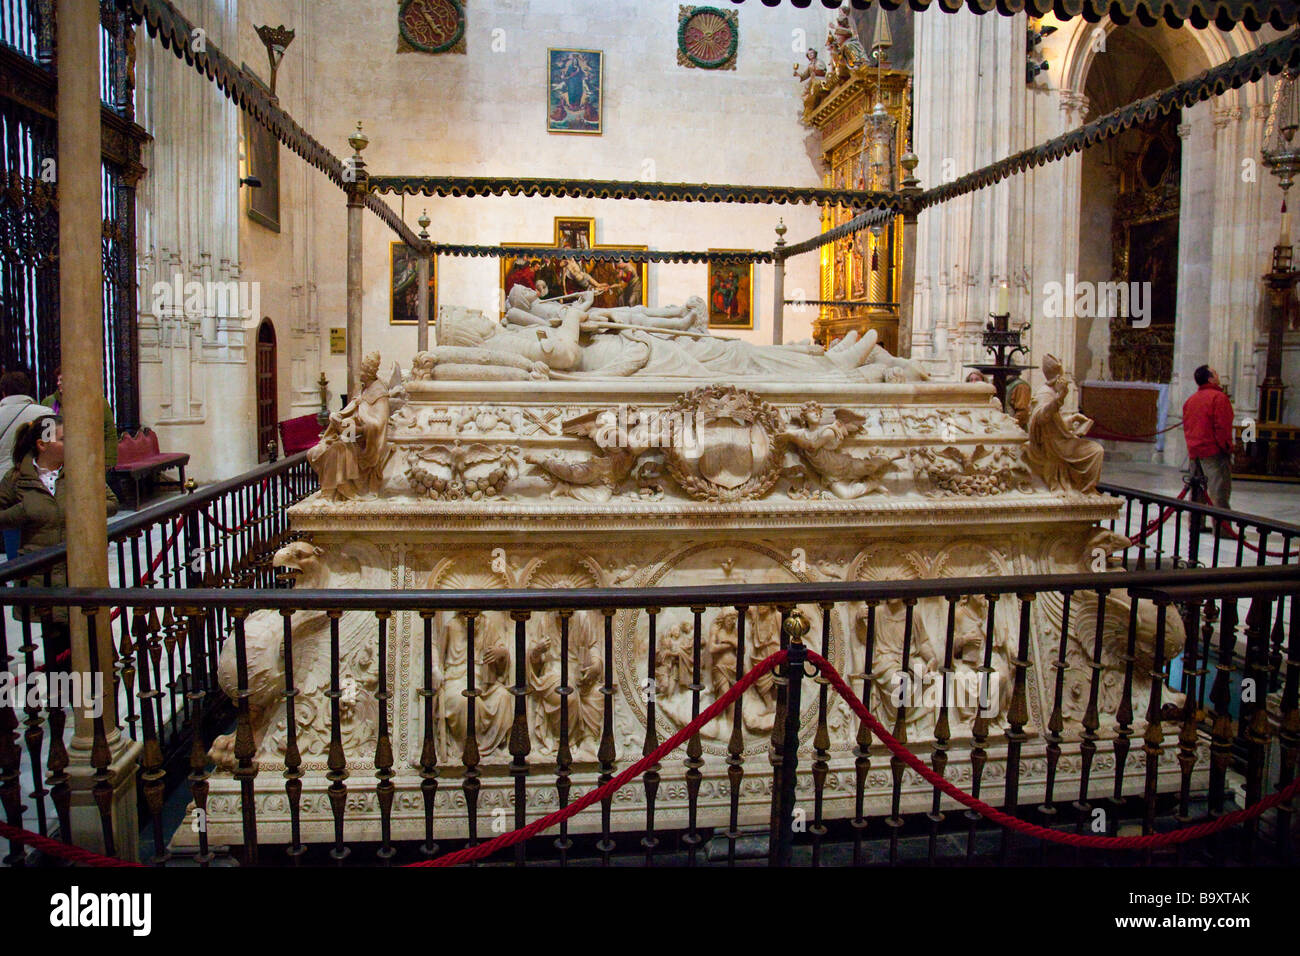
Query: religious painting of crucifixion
point(575, 82)
point(404, 285)
point(616, 282)
point(731, 293)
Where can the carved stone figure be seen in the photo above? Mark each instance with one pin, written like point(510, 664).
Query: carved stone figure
point(584, 700)
point(1057, 449)
point(472, 347)
point(494, 703)
point(818, 441)
point(264, 650)
point(920, 686)
point(353, 450)
point(812, 72)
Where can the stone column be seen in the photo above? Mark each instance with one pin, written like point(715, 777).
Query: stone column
point(422, 330)
point(969, 111)
point(95, 741)
point(355, 173)
point(1064, 344)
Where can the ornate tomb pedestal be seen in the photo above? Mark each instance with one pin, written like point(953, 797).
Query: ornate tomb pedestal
point(568, 447)
point(646, 483)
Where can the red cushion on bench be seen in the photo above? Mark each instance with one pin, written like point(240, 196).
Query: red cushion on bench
point(154, 462)
point(141, 451)
point(299, 434)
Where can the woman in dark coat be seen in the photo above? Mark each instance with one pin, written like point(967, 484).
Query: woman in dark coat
point(32, 496)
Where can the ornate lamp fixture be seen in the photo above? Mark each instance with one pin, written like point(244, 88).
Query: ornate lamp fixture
point(276, 40)
point(1281, 150)
point(877, 163)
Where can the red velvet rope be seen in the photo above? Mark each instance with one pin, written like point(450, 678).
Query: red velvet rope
point(1232, 534)
point(252, 514)
point(1164, 516)
point(60, 849)
point(1149, 842)
point(147, 578)
point(468, 854)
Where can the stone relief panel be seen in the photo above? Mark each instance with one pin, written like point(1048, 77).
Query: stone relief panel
point(351, 564)
point(659, 687)
point(1104, 632)
point(909, 650)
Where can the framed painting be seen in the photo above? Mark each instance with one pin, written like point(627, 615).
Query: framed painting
point(731, 293)
point(575, 89)
point(623, 281)
point(575, 233)
point(262, 158)
point(404, 286)
point(616, 282)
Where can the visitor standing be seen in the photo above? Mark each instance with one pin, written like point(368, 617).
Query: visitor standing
point(1207, 427)
point(17, 408)
point(55, 404)
point(32, 502)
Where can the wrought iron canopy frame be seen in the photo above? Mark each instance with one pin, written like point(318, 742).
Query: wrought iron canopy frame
point(1224, 14)
point(173, 30)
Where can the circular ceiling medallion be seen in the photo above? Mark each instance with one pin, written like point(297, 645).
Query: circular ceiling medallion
point(707, 37)
point(432, 26)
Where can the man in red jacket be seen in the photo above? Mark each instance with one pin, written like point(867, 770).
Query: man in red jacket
point(1207, 426)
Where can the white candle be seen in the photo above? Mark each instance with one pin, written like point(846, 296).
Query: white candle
point(1284, 237)
point(1002, 301)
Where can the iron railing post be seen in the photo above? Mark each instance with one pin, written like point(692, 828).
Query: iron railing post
point(788, 751)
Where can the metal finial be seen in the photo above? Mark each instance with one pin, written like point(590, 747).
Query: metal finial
point(796, 626)
point(424, 221)
point(358, 140)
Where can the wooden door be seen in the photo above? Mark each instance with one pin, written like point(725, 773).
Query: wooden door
point(266, 391)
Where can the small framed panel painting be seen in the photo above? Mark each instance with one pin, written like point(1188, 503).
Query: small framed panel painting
point(731, 293)
point(404, 283)
point(615, 282)
point(575, 90)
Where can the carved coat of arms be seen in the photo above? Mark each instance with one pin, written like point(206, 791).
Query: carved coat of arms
point(726, 449)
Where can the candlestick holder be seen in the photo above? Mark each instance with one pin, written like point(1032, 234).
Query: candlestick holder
point(1003, 343)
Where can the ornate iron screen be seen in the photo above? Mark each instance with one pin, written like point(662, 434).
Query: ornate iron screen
point(29, 231)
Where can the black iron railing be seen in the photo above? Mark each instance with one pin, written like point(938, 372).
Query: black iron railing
point(221, 536)
point(331, 783)
point(1170, 531)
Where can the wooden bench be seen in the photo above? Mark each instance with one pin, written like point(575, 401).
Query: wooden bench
point(299, 434)
point(139, 460)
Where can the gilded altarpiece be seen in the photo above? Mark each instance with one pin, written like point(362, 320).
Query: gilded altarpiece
point(863, 269)
point(1144, 245)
